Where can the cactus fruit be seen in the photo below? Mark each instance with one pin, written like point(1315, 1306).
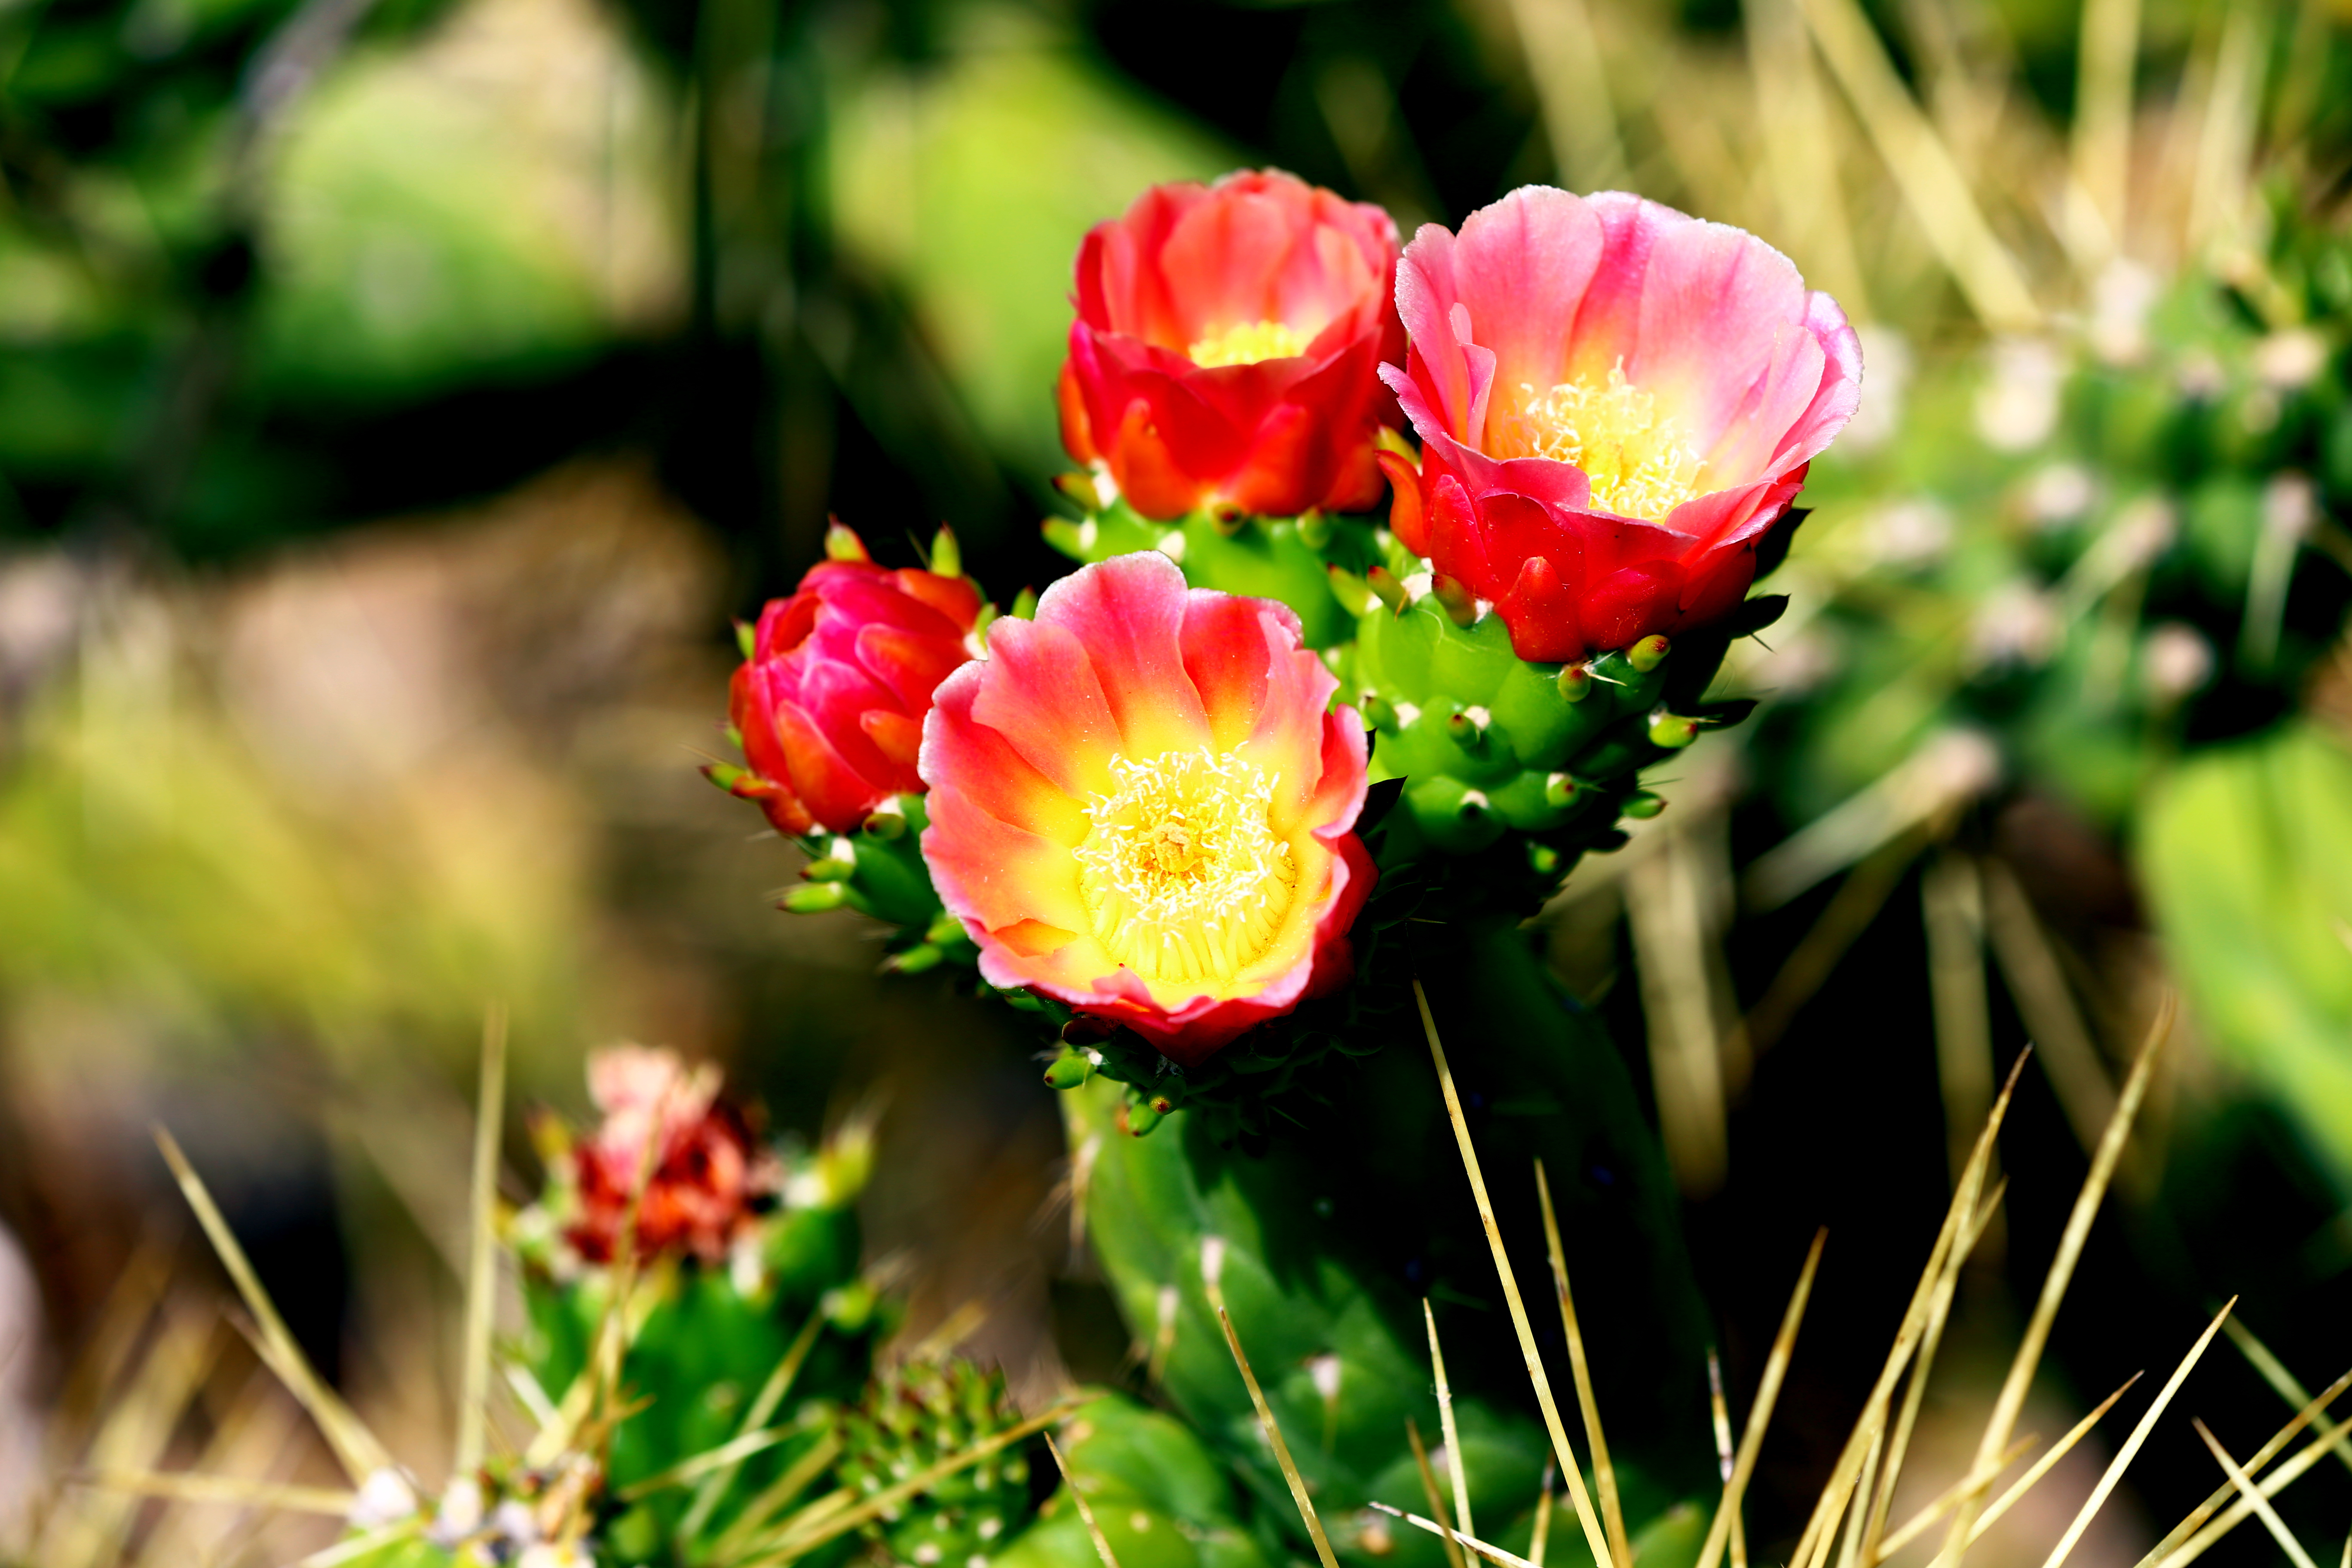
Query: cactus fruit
point(915, 1414)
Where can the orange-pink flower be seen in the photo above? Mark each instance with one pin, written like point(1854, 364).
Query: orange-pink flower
point(1142, 806)
point(830, 703)
point(1616, 403)
point(1227, 348)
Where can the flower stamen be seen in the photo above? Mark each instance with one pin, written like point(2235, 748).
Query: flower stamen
point(1247, 342)
point(1639, 464)
point(1182, 874)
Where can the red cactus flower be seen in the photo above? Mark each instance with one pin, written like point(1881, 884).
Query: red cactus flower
point(706, 1172)
point(1139, 806)
point(830, 703)
point(1616, 403)
point(1227, 348)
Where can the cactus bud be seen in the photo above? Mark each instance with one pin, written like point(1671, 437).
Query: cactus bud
point(914, 960)
point(1648, 654)
point(1575, 682)
point(1542, 858)
point(1024, 606)
point(1469, 730)
point(813, 899)
point(1642, 804)
point(1137, 1117)
point(724, 774)
point(1672, 730)
point(1384, 585)
point(947, 556)
point(1558, 790)
point(1070, 1069)
point(1454, 597)
point(1378, 713)
point(1315, 527)
point(1079, 486)
point(843, 544)
point(1228, 519)
point(944, 931)
point(886, 822)
point(747, 637)
point(1355, 595)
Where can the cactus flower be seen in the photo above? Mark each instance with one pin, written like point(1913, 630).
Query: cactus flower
point(829, 703)
point(1141, 805)
point(1227, 348)
point(1616, 404)
point(704, 1175)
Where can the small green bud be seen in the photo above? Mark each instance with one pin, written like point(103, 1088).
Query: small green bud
point(1558, 790)
point(841, 544)
point(1024, 606)
point(1390, 440)
point(1455, 597)
point(1384, 585)
point(1079, 486)
point(1315, 527)
point(725, 774)
point(1469, 730)
point(1575, 682)
point(944, 931)
point(1227, 519)
point(1648, 654)
point(814, 898)
point(914, 960)
point(1355, 594)
point(1643, 805)
point(1068, 1070)
point(1672, 730)
point(1542, 858)
point(886, 823)
point(947, 557)
point(837, 864)
point(747, 638)
point(1137, 1117)
point(1378, 713)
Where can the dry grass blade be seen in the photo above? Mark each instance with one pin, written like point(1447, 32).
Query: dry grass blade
point(1759, 1415)
point(827, 1518)
point(1594, 1536)
point(763, 1407)
point(2124, 1454)
point(1951, 903)
point(225, 1489)
point(2255, 1500)
point(1943, 1258)
point(1448, 1537)
point(797, 1479)
point(355, 1447)
point(1274, 1436)
point(481, 1258)
point(1085, 1514)
point(1491, 1552)
point(2011, 1398)
point(2103, 120)
point(1445, 1422)
point(1939, 1313)
point(694, 1467)
point(1604, 1474)
point(2037, 982)
point(2197, 1517)
point(1541, 1536)
point(1949, 1498)
point(2274, 1372)
point(2042, 1466)
point(2277, 1481)
point(1721, 1414)
point(1932, 185)
point(1858, 1514)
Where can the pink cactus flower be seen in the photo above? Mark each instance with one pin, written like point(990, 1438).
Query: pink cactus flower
point(1227, 348)
point(1141, 805)
point(1616, 404)
point(830, 705)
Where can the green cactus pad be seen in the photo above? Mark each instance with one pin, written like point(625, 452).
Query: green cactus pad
point(915, 1414)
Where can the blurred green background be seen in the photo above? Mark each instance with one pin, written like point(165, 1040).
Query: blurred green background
point(398, 397)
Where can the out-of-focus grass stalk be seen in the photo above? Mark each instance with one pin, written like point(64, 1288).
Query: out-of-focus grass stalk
point(2254, 1499)
point(1571, 83)
point(1931, 183)
point(2038, 985)
point(1802, 152)
point(1951, 899)
point(2098, 195)
point(1670, 940)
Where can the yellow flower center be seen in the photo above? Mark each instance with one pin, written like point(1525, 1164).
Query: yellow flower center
point(1639, 464)
point(1246, 342)
point(1182, 873)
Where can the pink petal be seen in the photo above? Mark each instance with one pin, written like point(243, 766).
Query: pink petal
point(1127, 614)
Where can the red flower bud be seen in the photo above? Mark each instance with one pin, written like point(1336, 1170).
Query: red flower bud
point(702, 1170)
point(830, 703)
point(1227, 348)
